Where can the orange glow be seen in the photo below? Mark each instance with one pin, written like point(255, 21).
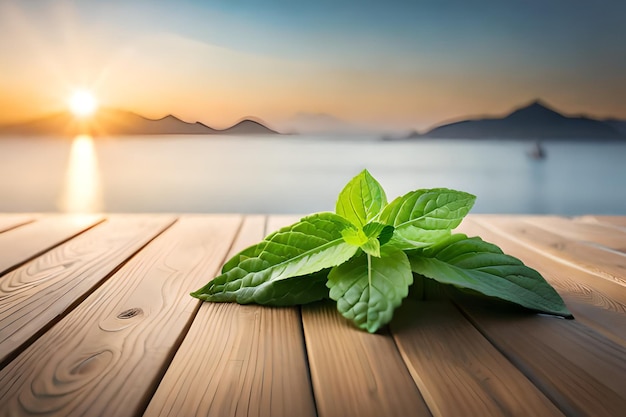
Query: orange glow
point(154, 71)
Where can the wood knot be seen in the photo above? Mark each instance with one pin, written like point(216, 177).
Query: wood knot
point(130, 313)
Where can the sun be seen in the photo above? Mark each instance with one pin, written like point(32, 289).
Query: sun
point(82, 103)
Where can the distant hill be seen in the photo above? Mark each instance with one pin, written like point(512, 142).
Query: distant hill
point(617, 124)
point(533, 121)
point(120, 122)
point(248, 127)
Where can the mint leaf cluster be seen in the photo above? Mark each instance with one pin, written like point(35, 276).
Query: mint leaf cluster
point(367, 254)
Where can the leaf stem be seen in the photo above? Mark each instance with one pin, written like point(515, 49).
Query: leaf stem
point(369, 271)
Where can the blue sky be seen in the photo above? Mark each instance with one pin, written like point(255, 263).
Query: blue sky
point(392, 64)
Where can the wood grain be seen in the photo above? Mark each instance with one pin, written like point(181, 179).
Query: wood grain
point(107, 355)
point(23, 243)
point(41, 291)
point(597, 302)
point(10, 221)
point(609, 237)
point(583, 372)
point(355, 373)
point(238, 360)
point(615, 221)
point(134, 342)
point(571, 245)
point(447, 355)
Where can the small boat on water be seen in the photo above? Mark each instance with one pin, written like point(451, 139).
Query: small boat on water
point(537, 152)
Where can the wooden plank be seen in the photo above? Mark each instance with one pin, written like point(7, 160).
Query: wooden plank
point(599, 233)
point(566, 246)
point(41, 292)
point(581, 371)
point(238, 360)
point(355, 373)
point(597, 302)
point(10, 221)
point(107, 355)
point(23, 243)
point(615, 221)
point(446, 354)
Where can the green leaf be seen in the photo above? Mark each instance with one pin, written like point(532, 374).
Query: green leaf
point(370, 238)
point(361, 200)
point(472, 263)
point(356, 257)
point(356, 237)
point(372, 247)
point(386, 234)
point(311, 245)
point(374, 229)
point(293, 291)
point(368, 289)
point(424, 217)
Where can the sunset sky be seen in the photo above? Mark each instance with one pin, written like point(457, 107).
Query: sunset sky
point(385, 64)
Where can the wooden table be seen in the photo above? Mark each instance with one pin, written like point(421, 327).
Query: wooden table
point(96, 320)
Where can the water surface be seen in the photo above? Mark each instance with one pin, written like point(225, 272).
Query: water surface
point(301, 174)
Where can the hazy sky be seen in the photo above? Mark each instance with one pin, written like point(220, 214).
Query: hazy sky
point(393, 64)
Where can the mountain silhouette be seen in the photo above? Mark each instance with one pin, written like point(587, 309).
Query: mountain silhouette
point(534, 121)
point(619, 125)
point(110, 122)
point(248, 127)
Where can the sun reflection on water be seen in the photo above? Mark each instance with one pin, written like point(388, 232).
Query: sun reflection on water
point(82, 191)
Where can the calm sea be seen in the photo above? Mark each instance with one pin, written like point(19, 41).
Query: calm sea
point(301, 174)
